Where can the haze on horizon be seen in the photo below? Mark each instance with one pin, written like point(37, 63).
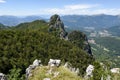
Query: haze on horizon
point(61, 7)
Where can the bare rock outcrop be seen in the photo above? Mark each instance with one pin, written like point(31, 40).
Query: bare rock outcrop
point(3, 76)
point(54, 62)
point(115, 70)
point(35, 64)
point(89, 71)
point(57, 25)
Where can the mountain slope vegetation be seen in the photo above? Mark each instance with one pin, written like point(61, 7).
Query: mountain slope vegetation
point(115, 30)
point(20, 45)
point(65, 74)
point(107, 49)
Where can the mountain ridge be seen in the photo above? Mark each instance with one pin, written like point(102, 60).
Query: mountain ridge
point(78, 21)
point(14, 20)
point(96, 21)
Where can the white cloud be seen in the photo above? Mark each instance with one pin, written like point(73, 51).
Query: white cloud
point(79, 6)
point(2, 1)
point(80, 9)
point(102, 11)
point(69, 9)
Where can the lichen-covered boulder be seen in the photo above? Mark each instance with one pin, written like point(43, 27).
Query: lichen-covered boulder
point(35, 64)
point(3, 76)
point(54, 62)
point(115, 70)
point(89, 71)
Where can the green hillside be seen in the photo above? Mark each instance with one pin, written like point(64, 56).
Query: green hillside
point(115, 30)
point(20, 45)
point(107, 49)
point(38, 24)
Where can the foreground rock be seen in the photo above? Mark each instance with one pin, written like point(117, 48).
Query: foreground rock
point(46, 79)
point(59, 73)
point(115, 70)
point(2, 76)
point(52, 65)
point(35, 64)
point(89, 72)
point(54, 62)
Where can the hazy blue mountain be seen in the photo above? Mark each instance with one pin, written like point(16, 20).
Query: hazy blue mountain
point(13, 20)
point(31, 18)
point(9, 20)
point(73, 21)
point(96, 21)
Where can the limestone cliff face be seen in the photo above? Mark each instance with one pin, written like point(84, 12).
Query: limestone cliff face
point(56, 23)
point(76, 37)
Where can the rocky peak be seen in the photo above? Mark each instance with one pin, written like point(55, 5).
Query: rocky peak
point(56, 24)
point(80, 39)
point(76, 37)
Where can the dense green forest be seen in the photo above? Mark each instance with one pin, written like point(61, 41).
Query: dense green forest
point(21, 45)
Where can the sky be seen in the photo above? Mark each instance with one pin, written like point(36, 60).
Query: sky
point(61, 7)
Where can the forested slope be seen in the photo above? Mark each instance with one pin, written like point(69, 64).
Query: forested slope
point(20, 45)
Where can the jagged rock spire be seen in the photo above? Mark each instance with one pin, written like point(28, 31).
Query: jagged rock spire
point(56, 23)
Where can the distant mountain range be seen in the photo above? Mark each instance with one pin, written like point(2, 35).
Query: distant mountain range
point(94, 21)
point(13, 20)
point(72, 21)
point(28, 41)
